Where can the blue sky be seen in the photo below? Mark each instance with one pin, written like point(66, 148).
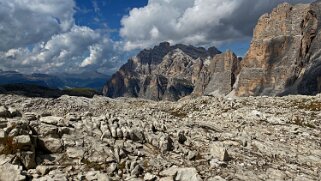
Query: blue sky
point(99, 14)
point(52, 36)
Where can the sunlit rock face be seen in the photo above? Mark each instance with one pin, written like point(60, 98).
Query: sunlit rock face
point(284, 56)
point(171, 72)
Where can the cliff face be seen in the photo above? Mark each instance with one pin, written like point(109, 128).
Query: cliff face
point(284, 56)
point(172, 72)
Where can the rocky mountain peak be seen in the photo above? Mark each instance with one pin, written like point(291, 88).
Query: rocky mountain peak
point(166, 72)
point(283, 56)
point(156, 54)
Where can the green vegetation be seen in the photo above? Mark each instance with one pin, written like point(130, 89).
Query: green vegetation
point(93, 165)
point(9, 146)
point(178, 113)
point(40, 91)
point(84, 92)
point(312, 106)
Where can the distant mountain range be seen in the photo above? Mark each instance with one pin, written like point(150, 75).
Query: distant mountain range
point(93, 80)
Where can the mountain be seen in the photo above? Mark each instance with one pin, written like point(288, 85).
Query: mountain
point(33, 90)
point(89, 79)
point(92, 80)
point(284, 57)
point(9, 77)
point(171, 72)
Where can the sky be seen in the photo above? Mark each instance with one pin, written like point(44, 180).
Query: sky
point(53, 36)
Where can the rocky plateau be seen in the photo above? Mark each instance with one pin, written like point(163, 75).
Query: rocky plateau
point(216, 130)
point(206, 138)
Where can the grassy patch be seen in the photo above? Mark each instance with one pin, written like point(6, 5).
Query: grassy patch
point(302, 123)
point(310, 106)
point(178, 113)
point(93, 165)
point(9, 146)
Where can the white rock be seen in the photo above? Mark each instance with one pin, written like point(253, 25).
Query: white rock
point(218, 150)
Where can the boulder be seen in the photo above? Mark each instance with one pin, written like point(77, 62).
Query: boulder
point(11, 173)
point(4, 112)
point(51, 145)
point(182, 174)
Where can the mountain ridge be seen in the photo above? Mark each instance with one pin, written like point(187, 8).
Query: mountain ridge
point(166, 72)
point(92, 80)
point(283, 59)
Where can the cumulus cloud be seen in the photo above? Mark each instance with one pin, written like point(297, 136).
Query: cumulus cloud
point(197, 22)
point(78, 49)
point(41, 36)
point(23, 22)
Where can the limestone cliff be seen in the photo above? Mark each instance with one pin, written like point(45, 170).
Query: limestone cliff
point(172, 72)
point(284, 56)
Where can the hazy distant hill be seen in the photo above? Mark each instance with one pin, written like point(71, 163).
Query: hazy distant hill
point(93, 80)
point(33, 90)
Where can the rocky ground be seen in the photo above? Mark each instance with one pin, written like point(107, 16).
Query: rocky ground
point(208, 138)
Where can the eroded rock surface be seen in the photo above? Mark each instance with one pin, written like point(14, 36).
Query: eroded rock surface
point(207, 138)
point(284, 56)
point(172, 72)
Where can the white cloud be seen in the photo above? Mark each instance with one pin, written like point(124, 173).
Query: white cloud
point(78, 49)
point(197, 22)
point(23, 22)
point(95, 53)
point(41, 36)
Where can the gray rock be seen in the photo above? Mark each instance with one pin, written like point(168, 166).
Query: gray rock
point(113, 132)
point(23, 142)
point(30, 116)
point(166, 144)
point(75, 152)
point(137, 135)
point(53, 120)
point(14, 112)
point(166, 179)
point(11, 173)
point(187, 174)
point(191, 155)
point(182, 174)
point(149, 177)
point(112, 168)
point(181, 137)
point(138, 170)
point(4, 113)
point(51, 145)
point(3, 135)
point(42, 170)
point(216, 178)
point(28, 159)
point(218, 150)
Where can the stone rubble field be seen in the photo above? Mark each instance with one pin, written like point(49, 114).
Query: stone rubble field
point(207, 138)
